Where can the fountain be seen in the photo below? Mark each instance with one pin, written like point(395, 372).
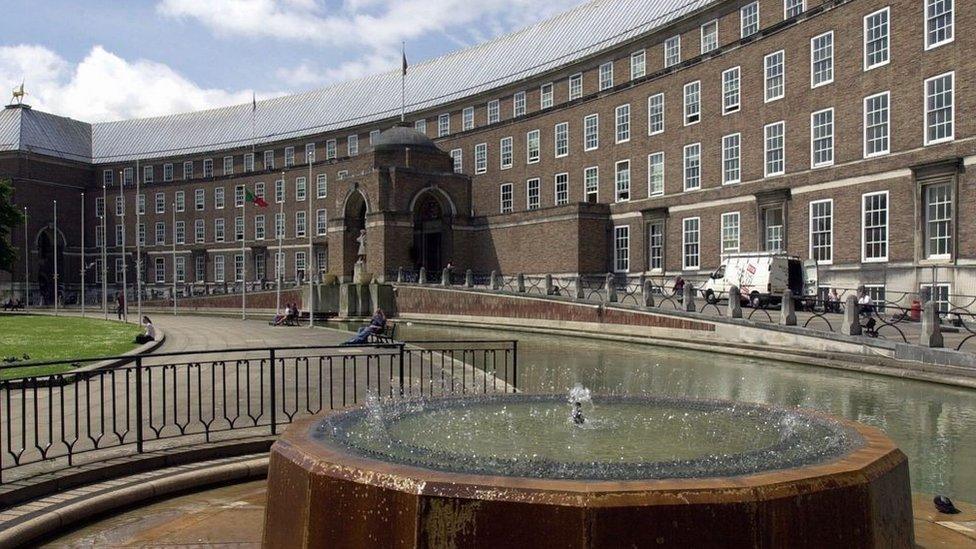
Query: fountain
point(517, 470)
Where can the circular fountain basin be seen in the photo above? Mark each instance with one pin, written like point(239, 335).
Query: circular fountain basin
point(514, 470)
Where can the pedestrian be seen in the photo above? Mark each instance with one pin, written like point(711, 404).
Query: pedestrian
point(120, 305)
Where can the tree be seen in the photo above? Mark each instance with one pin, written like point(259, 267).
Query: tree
point(10, 217)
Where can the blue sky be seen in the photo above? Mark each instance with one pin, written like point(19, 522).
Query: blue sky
point(99, 60)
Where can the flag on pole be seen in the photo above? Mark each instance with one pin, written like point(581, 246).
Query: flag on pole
point(254, 199)
point(403, 52)
point(254, 103)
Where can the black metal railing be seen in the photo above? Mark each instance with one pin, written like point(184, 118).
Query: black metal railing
point(165, 400)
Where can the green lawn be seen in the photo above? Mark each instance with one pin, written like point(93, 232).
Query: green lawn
point(44, 338)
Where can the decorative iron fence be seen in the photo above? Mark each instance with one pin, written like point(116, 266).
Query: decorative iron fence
point(179, 399)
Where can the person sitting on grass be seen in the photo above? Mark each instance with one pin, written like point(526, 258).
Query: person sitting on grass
point(376, 325)
point(150, 333)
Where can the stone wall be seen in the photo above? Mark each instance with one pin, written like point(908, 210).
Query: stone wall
point(439, 301)
point(257, 300)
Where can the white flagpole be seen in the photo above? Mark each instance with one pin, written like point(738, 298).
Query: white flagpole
point(138, 251)
point(104, 251)
point(243, 258)
point(308, 230)
point(174, 257)
point(55, 258)
point(83, 266)
point(125, 267)
point(26, 265)
point(279, 268)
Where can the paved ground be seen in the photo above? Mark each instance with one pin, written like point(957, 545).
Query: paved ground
point(213, 394)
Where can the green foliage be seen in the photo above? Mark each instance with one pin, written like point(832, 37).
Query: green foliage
point(10, 217)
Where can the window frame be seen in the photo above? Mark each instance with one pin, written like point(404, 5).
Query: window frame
point(952, 109)
point(811, 246)
point(685, 167)
point(530, 136)
point(767, 98)
point(596, 132)
point(606, 76)
point(564, 193)
point(672, 45)
point(621, 255)
point(742, 16)
point(726, 159)
point(927, 221)
point(621, 126)
point(638, 60)
point(887, 39)
point(618, 191)
point(786, 9)
point(561, 144)
point(887, 124)
point(697, 104)
point(738, 233)
point(685, 243)
point(502, 208)
point(887, 227)
point(766, 149)
point(651, 163)
point(481, 158)
point(578, 92)
point(813, 139)
point(702, 35)
point(925, 25)
point(726, 109)
point(533, 183)
point(595, 190)
point(651, 117)
point(813, 61)
point(510, 142)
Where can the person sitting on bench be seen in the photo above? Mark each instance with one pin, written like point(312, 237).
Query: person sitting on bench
point(376, 325)
point(150, 333)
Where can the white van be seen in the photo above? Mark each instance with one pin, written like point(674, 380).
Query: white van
point(762, 277)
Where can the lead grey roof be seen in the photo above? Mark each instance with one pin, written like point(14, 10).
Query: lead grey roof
point(23, 128)
point(570, 36)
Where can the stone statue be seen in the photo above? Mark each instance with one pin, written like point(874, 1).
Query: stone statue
point(361, 254)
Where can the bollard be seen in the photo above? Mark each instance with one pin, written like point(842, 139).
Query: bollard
point(446, 277)
point(549, 288)
point(469, 278)
point(611, 289)
point(787, 310)
point(422, 276)
point(399, 275)
point(931, 328)
point(521, 283)
point(735, 302)
point(852, 321)
point(689, 298)
point(647, 293)
point(494, 283)
point(579, 287)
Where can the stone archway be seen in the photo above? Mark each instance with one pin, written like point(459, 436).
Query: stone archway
point(354, 219)
point(432, 234)
point(44, 246)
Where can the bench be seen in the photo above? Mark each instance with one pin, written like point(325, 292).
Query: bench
point(388, 335)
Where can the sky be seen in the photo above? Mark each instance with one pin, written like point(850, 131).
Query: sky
point(103, 60)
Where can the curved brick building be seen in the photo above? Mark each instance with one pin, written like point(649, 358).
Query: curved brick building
point(634, 136)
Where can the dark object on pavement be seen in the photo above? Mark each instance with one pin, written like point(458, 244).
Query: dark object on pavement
point(944, 505)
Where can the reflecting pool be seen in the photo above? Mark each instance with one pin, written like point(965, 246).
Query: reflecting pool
point(935, 425)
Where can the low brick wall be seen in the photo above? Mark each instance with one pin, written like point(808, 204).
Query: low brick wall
point(438, 301)
point(256, 300)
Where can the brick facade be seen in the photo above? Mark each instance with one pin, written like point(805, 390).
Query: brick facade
point(578, 237)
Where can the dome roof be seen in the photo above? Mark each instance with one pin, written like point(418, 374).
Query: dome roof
point(402, 136)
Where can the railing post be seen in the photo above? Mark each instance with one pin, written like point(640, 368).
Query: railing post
point(689, 298)
point(931, 330)
point(521, 283)
point(468, 279)
point(445, 277)
point(549, 288)
point(399, 275)
point(422, 276)
point(493, 283)
point(579, 287)
point(735, 302)
point(514, 365)
point(273, 399)
point(139, 434)
point(787, 310)
point(852, 322)
point(647, 293)
point(401, 370)
point(611, 289)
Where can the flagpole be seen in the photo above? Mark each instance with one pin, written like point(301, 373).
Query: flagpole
point(279, 269)
point(308, 230)
point(403, 82)
point(55, 258)
point(83, 266)
point(243, 260)
point(26, 263)
point(174, 258)
point(104, 252)
point(138, 251)
point(125, 280)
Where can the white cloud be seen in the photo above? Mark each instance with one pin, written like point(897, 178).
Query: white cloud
point(104, 86)
point(370, 31)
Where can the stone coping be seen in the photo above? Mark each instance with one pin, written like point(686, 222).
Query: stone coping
point(877, 455)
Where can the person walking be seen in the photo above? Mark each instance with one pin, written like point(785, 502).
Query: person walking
point(120, 305)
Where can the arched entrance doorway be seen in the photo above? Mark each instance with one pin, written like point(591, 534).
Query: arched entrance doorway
point(431, 232)
point(354, 217)
point(45, 263)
